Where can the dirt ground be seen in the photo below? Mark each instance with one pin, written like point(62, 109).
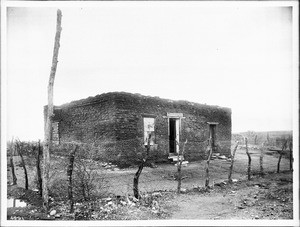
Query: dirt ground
point(269, 197)
point(261, 198)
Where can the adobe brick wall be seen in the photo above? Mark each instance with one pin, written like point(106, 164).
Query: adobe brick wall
point(115, 121)
point(130, 109)
point(89, 121)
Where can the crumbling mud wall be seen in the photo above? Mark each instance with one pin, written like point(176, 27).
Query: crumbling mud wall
point(114, 122)
point(131, 108)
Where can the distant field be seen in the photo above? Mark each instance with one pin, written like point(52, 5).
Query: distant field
point(274, 138)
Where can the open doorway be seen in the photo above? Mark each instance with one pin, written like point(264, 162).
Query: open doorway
point(212, 134)
point(173, 135)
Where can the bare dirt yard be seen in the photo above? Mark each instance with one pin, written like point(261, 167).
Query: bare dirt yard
point(267, 197)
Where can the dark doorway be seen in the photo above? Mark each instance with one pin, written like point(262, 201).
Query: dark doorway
point(212, 132)
point(172, 135)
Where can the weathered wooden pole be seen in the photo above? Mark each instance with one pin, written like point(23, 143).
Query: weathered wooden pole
point(19, 150)
point(232, 161)
point(268, 139)
point(261, 157)
point(69, 175)
point(140, 169)
point(280, 155)
point(38, 169)
point(207, 163)
point(179, 163)
point(291, 154)
point(48, 124)
point(249, 159)
point(12, 166)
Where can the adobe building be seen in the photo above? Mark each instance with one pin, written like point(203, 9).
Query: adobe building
point(119, 124)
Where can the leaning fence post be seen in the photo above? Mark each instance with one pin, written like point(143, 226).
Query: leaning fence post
point(232, 161)
point(69, 174)
point(280, 155)
point(12, 151)
point(138, 173)
point(207, 163)
point(38, 169)
point(19, 150)
point(291, 154)
point(249, 159)
point(179, 163)
point(261, 159)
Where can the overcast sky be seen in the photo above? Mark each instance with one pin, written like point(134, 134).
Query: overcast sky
point(237, 57)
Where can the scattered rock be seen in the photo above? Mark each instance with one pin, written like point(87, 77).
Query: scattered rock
point(53, 212)
point(235, 180)
point(134, 199)
point(156, 194)
point(123, 203)
point(110, 203)
point(256, 217)
point(152, 165)
point(222, 157)
point(57, 216)
point(183, 164)
point(154, 211)
point(154, 204)
point(107, 199)
point(183, 190)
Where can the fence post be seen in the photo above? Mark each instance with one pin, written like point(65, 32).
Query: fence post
point(207, 163)
point(69, 174)
point(291, 154)
point(138, 173)
point(232, 161)
point(261, 159)
point(12, 166)
point(19, 150)
point(280, 155)
point(38, 169)
point(179, 163)
point(249, 159)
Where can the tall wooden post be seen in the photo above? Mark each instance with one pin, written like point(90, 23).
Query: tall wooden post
point(38, 168)
point(280, 155)
point(291, 154)
point(69, 175)
point(48, 125)
point(179, 164)
point(249, 159)
point(19, 150)
point(232, 161)
point(12, 166)
point(207, 163)
point(261, 159)
point(140, 169)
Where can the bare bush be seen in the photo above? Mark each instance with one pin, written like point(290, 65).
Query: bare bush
point(86, 181)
